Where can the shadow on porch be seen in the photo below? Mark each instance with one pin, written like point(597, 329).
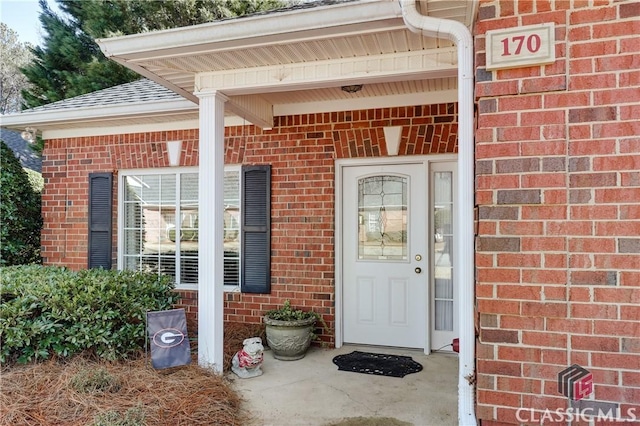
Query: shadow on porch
point(312, 391)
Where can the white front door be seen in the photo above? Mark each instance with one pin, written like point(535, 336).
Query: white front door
point(385, 258)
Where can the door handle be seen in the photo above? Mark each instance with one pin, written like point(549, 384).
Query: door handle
point(418, 270)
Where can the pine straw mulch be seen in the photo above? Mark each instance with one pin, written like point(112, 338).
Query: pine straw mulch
point(85, 391)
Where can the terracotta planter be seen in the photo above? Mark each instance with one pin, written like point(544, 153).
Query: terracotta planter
point(289, 340)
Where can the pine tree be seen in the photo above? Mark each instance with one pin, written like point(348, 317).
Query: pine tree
point(70, 63)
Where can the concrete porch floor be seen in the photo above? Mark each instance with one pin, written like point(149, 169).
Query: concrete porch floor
point(312, 391)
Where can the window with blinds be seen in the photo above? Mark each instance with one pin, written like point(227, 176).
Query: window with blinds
point(160, 213)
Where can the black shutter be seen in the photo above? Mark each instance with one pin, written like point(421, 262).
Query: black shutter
point(255, 228)
point(100, 228)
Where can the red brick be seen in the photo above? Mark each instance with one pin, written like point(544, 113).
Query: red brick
point(520, 292)
point(629, 112)
point(631, 378)
point(592, 15)
point(580, 66)
point(568, 99)
point(580, 33)
point(543, 243)
point(498, 336)
point(512, 353)
point(592, 81)
point(555, 356)
point(558, 17)
point(494, 150)
point(544, 276)
point(521, 228)
point(570, 228)
point(544, 180)
point(543, 84)
point(575, 326)
point(543, 212)
point(592, 245)
point(617, 328)
point(629, 212)
point(493, 181)
point(495, 120)
point(578, 294)
point(622, 128)
point(616, 96)
point(543, 402)
point(612, 261)
point(627, 295)
point(531, 133)
point(602, 212)
point(580, 131)
point(498, 398)
point(498, 306)
point(525, 260)
point(517, 103)
point(543, 148)
point(553, 131)
point(618, 162)
point(593, 311)
point(499, 88)
point(592, 147)
point(502, 368)
point(515, 73)
point(618, 228)
point(517, 384)
point(521, 323)
point(501, 275)
point(629, 45)
point(544, 339)
point(615, 360)
point(629, 278)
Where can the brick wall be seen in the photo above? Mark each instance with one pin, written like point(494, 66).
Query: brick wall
point(301, 149)
point(558, 195)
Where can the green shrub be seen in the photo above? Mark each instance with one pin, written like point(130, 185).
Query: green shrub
point(20, 219)
point(47, 310)
point(36, 181)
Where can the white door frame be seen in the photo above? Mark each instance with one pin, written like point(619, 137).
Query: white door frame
point(339, 166)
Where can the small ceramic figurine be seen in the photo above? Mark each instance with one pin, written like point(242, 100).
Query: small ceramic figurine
point(246, 363)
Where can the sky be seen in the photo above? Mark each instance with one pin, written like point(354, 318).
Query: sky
point(22, 17)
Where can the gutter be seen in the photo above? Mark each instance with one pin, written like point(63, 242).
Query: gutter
point(276, 27)
point(95, 113)
point(463, 270)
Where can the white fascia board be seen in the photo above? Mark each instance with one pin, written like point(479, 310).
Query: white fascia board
point(270, 28)
point(114, 129)
point(97, 113)
point(390, 101)
point(332, 73)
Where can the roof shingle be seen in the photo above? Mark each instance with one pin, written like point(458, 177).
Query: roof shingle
point(142, 90)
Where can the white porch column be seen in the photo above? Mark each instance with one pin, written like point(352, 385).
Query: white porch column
point(211, 230)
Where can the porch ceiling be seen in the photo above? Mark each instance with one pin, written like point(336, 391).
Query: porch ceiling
point(298, 59)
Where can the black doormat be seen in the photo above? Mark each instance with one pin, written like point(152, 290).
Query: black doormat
point(379, 364)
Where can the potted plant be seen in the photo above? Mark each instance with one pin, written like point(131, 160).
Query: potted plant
point(290, 331)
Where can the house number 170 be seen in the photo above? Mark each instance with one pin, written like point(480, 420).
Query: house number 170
point(520, 46)
point(533, 43)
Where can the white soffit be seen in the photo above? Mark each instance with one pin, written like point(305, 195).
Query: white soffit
point(281, 56)
point(165, 115)
point(277, 64)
